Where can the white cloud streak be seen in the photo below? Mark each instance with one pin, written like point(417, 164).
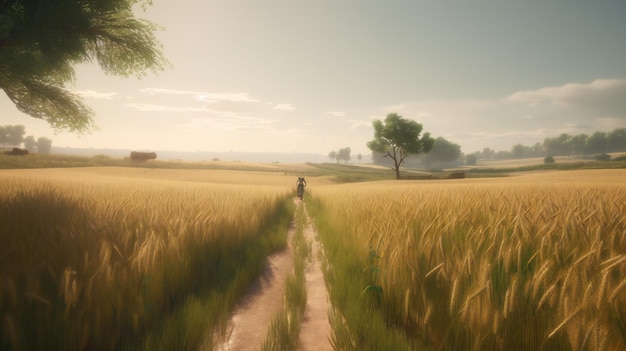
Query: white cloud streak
point(165, 108)
point(203, 96)
point(601, 95)
point(221, 124)
point(283, 107)
point(357, 123)
point(96, 95)
point(336, 113)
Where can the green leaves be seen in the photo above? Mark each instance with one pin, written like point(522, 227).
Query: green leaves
point(60, 108)
point(398, 137)
point(40, 41)
point(397, 133)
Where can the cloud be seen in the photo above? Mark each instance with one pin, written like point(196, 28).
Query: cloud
point(336, 113)
point(203, 96)
point(284, 107)
point(165, 108)
point(356, 123)
point(177, 100)
point(601, 95)
point(231, 97)
point(223, 124)
point(96, 95)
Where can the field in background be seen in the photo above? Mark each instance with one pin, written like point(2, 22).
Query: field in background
point(101, 256)
point(531, 262)
point(35, 160)
point(534, 161)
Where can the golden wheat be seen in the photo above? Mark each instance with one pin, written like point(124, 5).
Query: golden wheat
point(109, 248)
point(520, 262)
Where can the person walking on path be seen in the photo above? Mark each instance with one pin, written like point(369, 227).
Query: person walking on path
point(301, 183)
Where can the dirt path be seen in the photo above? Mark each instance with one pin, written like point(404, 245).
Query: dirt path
point(315, 331)
point(247, 326)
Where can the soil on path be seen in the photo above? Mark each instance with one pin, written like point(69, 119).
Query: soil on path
point(247, 326)
point(315, 332)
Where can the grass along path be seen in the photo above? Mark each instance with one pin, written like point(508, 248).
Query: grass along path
point(247, 326)
point(251, 321)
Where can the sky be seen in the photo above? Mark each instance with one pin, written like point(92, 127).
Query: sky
point(311, 76)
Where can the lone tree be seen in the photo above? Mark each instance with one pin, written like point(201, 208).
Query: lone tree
point(397, 138)
point(41, 40)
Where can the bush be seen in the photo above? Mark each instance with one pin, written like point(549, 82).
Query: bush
point(548, 160)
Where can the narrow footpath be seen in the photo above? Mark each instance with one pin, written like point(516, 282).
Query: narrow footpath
point(315, 332)
point(248, 325)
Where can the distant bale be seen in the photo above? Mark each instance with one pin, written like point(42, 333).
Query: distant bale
point(142, 156)
point(17, 152)
point(456, 175)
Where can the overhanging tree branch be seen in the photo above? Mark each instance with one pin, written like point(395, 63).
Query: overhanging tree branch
point(41, 40)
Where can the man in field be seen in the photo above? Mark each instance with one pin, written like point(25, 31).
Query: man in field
point(301, 183)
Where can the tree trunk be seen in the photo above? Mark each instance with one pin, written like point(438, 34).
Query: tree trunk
point(396, 164)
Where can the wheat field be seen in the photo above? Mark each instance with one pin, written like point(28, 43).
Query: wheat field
point(531, 262)
point(92, 256)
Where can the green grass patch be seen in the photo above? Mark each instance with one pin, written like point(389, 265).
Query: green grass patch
point(345, 173)
point(565, 166)
point(66, 161)
point(358, 318)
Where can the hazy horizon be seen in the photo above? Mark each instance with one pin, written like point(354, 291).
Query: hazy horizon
point(296, 77)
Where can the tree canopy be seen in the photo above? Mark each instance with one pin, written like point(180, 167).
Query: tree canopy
point(443, 151)
point(343, 154)
point(397, 138)
point(583, 144)
point(332, 155)
point(30, 143)
point(41, 40)
point(12, 135)
point(44, 145)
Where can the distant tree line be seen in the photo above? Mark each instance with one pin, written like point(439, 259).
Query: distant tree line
point(563, 145)
point(341, 155)
point(583, 144)
point(446, 154)
point(13, 136)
